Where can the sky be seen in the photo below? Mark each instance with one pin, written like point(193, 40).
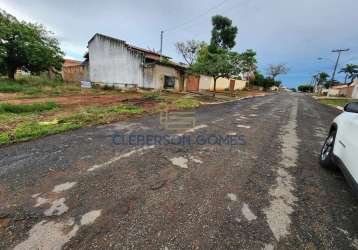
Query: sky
point(293, 32)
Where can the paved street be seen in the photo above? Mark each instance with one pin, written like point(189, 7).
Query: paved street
point(79, 190)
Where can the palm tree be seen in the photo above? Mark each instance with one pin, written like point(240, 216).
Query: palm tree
point(351, 71)
point(322, 78)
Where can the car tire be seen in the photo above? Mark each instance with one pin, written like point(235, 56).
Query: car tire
point(326, 155)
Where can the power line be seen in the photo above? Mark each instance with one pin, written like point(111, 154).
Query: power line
point(196, 17)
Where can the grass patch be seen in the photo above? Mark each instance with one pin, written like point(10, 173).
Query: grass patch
point(27, 108)
point(152, 96)
point(29, 130)
point(186, 103)
point(38, 80)
point(127, 109)
point(13, 87)
point(336, 102)
point(32, 91)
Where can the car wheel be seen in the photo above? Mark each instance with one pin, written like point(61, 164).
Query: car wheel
point(326, 156)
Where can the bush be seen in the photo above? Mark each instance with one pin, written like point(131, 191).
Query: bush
point(26, 108)
point(107, 87)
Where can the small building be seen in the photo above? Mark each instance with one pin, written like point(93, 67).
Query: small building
point(114, 62)
point(275, 88)
point(74, 71)
point(341, 90)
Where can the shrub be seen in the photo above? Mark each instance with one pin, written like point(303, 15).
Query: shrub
point(107, 87)
point(25, 108)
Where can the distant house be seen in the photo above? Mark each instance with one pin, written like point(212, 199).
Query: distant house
point(114, 62)
point(74, 71)
point(274, 88)
point(343, 90)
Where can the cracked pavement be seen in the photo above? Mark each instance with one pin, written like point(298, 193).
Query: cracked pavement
point(79, 190)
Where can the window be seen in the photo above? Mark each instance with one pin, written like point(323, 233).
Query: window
point(169, 82)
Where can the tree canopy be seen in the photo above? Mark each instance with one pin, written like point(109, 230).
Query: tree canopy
point(248, 62)
point(305, 88)
point(262, 81)
point(222, 63)
point(189, 50)
point(275, 70)
point(218, 60)
point(322, 79)
point(223, 34)
point(351, 72)
point(26, 45)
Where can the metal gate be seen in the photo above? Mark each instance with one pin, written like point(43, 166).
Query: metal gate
point(232, 85)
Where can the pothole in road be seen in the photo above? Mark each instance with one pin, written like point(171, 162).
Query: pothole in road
point(54, 235)
point(232, 196)
point(182, 162)
point(58, 207)
point(63, 187)
point(248, 214)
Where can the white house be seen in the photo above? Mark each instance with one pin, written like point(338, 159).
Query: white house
point(113, 62)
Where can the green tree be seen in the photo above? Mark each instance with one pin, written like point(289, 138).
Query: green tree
point(223, 33)
point(26, 45)
point(307, 88)
point(248, 62)
point(217, 60)
point(322, 79)
point(351, 72)
point(262, 81)
point(222, 63)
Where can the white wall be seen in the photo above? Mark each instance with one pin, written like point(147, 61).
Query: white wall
point(112, 63)
point(355, 89)
point(207, 83)
point(333, 92)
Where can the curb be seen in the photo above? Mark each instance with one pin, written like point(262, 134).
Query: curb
point(239, 99)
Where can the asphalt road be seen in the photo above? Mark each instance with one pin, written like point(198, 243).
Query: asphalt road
point(79, 190)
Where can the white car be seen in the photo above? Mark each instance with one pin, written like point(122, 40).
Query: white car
point(341, 146)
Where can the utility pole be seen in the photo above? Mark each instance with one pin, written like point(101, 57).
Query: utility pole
point(339, 51)
point(161, 42)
